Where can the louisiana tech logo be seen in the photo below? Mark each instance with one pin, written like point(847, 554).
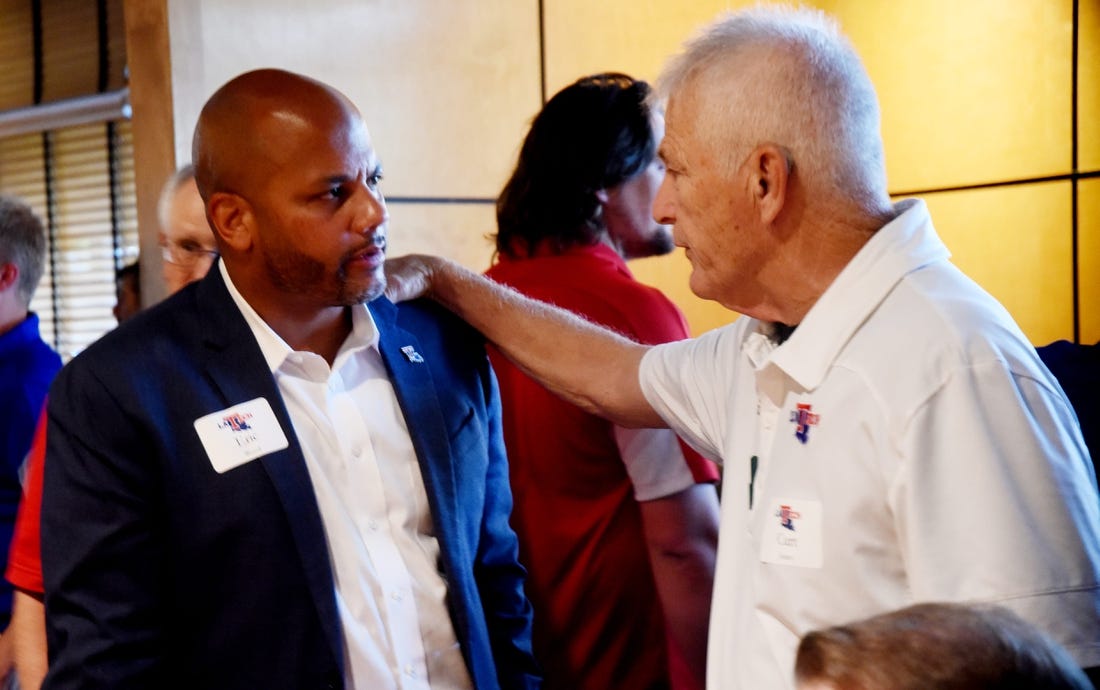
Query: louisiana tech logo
point(240, 429)
point(787, 516)
point(804, 418)
point(238, 421)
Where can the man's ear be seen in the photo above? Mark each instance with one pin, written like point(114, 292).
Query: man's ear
point(770, 172)
point(602, 196)
point(232, 220)
point(9, 275)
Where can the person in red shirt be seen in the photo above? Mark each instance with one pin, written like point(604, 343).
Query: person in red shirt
point(618, 528)
point(24, 570)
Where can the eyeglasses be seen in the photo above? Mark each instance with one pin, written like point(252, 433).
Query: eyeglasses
point(187, 253)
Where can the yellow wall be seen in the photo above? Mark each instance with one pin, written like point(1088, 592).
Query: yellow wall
point(1016, 242)
point(1088, 221)
point(974, 92)
point(1088, 263)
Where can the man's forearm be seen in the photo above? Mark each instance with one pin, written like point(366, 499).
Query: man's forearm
point(28, 631)
point(682, 534)
point(587, 365)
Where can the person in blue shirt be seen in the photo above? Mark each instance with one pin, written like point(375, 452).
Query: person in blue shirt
point(27, 366)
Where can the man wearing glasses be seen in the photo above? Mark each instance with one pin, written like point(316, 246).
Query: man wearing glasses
point(186, 242)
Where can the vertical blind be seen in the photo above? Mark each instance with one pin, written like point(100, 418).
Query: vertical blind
point(79, 179)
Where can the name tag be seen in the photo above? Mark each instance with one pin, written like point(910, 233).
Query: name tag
point(792, 533)
point(241, 433)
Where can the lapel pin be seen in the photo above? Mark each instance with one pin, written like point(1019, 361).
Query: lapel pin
point(412, 355)
point(804, 417)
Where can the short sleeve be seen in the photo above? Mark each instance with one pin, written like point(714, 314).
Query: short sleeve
point(996, 501)
point(25, 557)
point(690, 384)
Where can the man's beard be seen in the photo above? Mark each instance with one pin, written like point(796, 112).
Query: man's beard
point(304, 275)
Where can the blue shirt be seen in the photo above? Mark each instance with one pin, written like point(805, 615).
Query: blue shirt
point(27, 366)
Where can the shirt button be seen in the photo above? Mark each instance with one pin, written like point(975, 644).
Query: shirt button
point(410, 671)
point(372, 525)
point(398, 597)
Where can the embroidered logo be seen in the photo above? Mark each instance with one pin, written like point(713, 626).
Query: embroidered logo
point(804, 418)
point(238, 421)
point(411, 354)
point(787, 517)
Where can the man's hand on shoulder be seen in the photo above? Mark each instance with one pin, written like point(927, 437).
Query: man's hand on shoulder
point(409, 277)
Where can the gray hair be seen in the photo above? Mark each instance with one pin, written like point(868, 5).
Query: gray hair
point(23, 243)
point(167, 193)
point(804, 88)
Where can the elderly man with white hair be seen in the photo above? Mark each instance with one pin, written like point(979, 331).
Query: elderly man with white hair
point(888, 434)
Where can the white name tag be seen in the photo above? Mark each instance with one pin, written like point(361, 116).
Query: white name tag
point(240, 433)
point(792, 533)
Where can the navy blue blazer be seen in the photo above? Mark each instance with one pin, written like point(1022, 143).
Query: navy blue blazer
point(162, 573)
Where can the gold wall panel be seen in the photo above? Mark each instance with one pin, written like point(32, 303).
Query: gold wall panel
point(445, 87)
point(583, 37)
point(971, 92)
point(457, 231)
point(1088, 86)
point(670, 275)
point(1088, 258)
point(1015, 242)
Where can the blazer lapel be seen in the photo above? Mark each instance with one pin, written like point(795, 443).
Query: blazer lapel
point(237, 367)
point(409, 368)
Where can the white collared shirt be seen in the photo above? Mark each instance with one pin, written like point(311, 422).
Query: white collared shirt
point(911, 447)
point(384, 554)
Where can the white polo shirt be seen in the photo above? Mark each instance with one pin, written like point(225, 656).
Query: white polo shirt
point(909, 447)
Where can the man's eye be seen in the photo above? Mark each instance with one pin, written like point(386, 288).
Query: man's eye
point(374, 179)
point(336, 192)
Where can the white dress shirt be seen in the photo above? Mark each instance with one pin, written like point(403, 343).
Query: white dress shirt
point(390, 593)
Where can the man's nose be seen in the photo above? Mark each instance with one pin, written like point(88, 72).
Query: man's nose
point(664, 204)
point(371, 211)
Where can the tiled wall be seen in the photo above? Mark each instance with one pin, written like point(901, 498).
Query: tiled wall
point(977, 99)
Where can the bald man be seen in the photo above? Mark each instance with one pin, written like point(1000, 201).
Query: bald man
point(276, 478)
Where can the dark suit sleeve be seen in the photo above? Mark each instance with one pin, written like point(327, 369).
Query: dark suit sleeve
point(100, 552)
point(497, 570)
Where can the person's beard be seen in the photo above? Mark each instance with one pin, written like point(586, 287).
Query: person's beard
point(300, 274)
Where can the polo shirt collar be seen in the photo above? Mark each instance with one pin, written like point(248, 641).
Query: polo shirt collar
point(900, 247)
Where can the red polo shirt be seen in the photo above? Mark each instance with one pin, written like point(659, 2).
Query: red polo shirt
point(598, 621)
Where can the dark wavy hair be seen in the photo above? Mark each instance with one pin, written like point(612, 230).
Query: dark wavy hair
point(594, 134)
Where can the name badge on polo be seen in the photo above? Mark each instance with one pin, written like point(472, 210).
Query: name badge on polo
point(792, 533)
point(241, 433)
